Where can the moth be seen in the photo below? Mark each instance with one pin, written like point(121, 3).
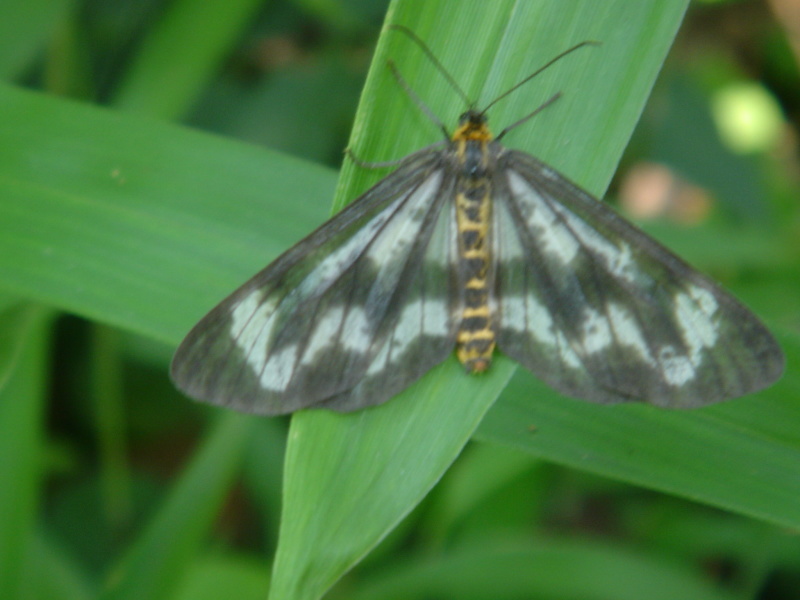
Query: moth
point(474, 247)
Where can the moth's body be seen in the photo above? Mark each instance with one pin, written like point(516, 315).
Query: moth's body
point(473, 198)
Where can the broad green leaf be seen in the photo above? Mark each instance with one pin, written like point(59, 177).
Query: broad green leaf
point(547, 568)
point(350, 479)
point(137, 223)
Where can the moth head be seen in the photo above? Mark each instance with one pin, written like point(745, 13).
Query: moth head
point(472, 117)
point(472, 126)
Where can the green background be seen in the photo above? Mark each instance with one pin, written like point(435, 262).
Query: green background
point(119, 229)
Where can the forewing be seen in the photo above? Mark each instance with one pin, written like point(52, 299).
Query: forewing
point(308, 328)
point(600, 311)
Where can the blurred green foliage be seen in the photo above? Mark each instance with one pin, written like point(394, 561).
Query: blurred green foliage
point(113, 485)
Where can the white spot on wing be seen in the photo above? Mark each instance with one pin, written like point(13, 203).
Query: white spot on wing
point(628, 332)
point(378, 363)
point(252, 321)
point(329, 331)
point(356, 331)
point(620, 262)
point(676, 368)
point(616, 256)
point(325, 328)
point(243, 311)
point(549, 229)
point(540, 321)
point(402, 230)
point(408, 328)
point(693, 313)
point(526, 315)
point(332, 266)
point(512, 312)
point(435, 317)
point(596, 332)
point(416, 319)
point(706, 300)
point(279, 369)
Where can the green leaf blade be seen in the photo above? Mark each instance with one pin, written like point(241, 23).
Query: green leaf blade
point(330, 522)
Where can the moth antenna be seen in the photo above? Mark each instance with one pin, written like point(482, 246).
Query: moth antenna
point(417, 100)
point(436, 63)
point(541, 107)
point(537, 72)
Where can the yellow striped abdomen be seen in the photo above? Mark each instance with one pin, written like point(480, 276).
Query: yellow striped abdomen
point(476, 340)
